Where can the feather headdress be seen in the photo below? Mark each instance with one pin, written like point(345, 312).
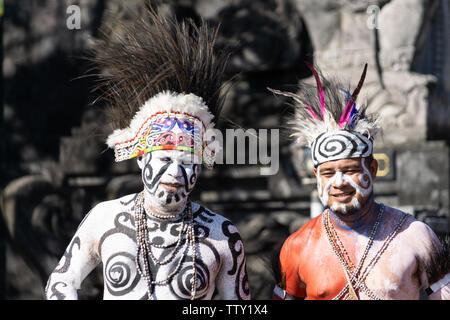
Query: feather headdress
point(161, 77)
point(328, 121)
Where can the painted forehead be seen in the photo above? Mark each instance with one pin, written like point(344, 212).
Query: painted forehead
point(341, 164)
point(173, 154)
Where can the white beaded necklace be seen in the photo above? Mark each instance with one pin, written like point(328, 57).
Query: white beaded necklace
point(144, 251)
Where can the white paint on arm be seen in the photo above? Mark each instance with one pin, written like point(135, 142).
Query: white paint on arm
point(232, 278)
point(429, 242)
point(79, 259)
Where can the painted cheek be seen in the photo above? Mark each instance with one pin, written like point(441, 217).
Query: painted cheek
point(148, 174)
point(192, 173)
point(319, 186)
point(189, 174)
point(320, 183)
point(324, 192)
point(364, 188)
point(364, 180)
point(158, 170)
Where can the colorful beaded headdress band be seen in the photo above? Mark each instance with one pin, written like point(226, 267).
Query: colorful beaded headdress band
point(329, 121)
point(162, 81)
point(168, 121)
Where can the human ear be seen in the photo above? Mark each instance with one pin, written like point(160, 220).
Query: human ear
point(140, 162)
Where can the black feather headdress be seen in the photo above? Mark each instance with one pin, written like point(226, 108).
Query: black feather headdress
point(158, 65)
point(156, 54)
point(438, 266)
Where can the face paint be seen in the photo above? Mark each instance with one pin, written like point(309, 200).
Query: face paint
point(168, 176)
point(361, 183)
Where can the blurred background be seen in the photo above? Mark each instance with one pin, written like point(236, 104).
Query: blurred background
point(54, 162)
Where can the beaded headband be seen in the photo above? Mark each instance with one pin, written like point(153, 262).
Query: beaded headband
point(167, 121)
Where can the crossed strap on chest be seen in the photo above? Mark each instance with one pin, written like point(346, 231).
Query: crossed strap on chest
point(356, 276)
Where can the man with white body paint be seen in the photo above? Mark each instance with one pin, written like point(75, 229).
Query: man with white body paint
point(157, 244)
point(357, 248)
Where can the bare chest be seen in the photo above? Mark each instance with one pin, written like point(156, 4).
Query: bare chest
point(388, 270)
point(170, 262)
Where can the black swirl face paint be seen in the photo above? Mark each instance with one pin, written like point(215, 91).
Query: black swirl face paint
point(190, 180)
point(165, 169)
point(150, 181)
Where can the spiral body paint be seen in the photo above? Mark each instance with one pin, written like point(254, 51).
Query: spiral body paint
point(107, 238)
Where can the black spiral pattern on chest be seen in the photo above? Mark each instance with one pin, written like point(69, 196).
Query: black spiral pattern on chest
point(120, 275)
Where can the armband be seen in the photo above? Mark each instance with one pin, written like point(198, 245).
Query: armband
point(438, 285)
point(278, 293)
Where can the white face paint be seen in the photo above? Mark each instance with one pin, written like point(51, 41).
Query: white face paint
point(169, 176)
point(358, 188)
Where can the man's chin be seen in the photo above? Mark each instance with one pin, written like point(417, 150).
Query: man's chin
point(344, 208)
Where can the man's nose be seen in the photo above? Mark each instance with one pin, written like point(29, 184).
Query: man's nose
point(174, 169)
point(339, 180)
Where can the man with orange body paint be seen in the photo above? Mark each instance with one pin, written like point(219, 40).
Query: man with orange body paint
point(357, 249)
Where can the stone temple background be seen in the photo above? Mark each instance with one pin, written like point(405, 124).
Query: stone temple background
point(55, 166)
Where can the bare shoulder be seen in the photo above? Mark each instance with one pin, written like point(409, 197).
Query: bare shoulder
point(300, 239)
point(202, 213)
point(414, 231)
point(214, 223)
point(105, 212)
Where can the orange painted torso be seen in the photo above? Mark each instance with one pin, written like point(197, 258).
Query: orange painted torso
point(312, 269)
point(315, 261)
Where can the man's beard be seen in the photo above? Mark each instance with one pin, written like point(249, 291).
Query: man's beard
point(346, 208)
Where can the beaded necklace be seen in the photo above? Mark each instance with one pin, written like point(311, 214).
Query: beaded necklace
point(144, 246)
point(373, 261)
point(344, 257)
point(360, 281)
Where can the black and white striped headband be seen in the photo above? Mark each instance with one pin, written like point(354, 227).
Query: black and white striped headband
point(341, 144)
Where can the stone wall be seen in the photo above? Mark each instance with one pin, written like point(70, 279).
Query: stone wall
point(55, 166)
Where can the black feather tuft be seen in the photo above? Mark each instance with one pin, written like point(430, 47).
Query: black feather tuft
point(155, 54)
point(439, 263)
point(273, 265)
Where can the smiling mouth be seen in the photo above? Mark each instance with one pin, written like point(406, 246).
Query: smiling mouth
point(344, 196)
